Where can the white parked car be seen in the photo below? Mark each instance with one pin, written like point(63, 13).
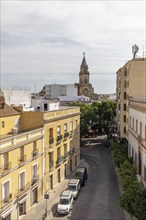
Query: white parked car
point(66, 202)
point(75, 186)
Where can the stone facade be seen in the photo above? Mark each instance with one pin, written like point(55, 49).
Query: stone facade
point(85, 87)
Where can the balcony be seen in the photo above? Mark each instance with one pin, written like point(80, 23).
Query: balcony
point(51, 141)
point(59, 160)
point(35, 153)
point(23, 188)
point(66, 155)
point(71, 134)
point(35, 179)
point(5, 168)
point(7, 199)
point(51, 164)
point(66, 135)
point(22, 160)
point(59, 138)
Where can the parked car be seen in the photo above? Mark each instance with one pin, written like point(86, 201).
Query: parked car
point(107, 143)
point(75, 186)
point(82, 175)
point(66, 202)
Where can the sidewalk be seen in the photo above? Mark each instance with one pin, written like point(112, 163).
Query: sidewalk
point(38, 210)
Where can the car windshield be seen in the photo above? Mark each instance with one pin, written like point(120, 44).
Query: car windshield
point(64, 201)
point(72, 188)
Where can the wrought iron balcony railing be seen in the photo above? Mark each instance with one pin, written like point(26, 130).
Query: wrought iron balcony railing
point(59, 138)
point(66, 135)
point(51, 164)
point(7, 198)
point(59, 160)
point(35, 179)
point(66, 155)
point(35, 153)
point(51, 141)
point(5, 168)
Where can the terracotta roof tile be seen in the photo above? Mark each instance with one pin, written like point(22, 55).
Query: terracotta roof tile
point(8, 110)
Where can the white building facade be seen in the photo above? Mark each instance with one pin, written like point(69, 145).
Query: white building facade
point(137, 137)
point(52, 91)
point(17, 96)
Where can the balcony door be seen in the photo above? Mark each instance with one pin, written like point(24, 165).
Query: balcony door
point(6, 192)
point(22, 181)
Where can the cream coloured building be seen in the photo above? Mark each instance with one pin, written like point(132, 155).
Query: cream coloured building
point(131, 111)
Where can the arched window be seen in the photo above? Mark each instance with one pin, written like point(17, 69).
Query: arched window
point(86, 92)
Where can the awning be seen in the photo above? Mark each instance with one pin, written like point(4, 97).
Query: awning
point(22, 200)
point(4, 215)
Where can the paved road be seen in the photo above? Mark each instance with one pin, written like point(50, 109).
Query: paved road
point(98, 199)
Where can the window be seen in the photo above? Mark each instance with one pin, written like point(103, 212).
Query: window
point(51, 161)
point(65, 148)
point(124, 118)
point(130, 121)
point(124, 95)
point(140, 128)
point(124, 130)
point(86, 80)
point(65, 128)
point(133, 124)
point(3, 124)
point(45, 106)
point(124, 107)
point(71, 126)
point(22, 181)
point(136, 125)
point(6, 192)
point(58, 152)
point(21, 153)
point(34, 171)
point(5, 161)
point(58, 130)
point(51, 133)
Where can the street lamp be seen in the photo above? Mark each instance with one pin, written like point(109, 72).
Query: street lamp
point(46, 196)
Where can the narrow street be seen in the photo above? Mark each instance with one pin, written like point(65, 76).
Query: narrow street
point(99, 198)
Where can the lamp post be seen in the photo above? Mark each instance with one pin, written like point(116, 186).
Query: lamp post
point(46, 196)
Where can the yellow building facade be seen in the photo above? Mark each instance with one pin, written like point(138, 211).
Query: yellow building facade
point(62, 144)
point(37, 151)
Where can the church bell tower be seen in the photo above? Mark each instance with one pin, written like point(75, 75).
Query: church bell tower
point(84, 87)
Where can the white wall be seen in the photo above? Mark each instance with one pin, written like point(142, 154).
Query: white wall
point(17, 96)
point(141, 117)
point(55, 90)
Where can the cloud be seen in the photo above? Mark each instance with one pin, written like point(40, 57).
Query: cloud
point(47, 38)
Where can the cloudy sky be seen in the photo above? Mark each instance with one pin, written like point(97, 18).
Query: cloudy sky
point(42, 42)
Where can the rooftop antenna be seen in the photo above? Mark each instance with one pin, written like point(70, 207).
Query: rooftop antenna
point(135, 49)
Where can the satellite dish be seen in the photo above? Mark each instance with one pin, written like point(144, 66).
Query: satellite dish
point(135, 49)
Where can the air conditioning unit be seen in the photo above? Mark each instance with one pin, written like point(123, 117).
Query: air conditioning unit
point(14, 130)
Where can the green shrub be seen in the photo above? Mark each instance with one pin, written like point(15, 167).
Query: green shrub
point(133, 198)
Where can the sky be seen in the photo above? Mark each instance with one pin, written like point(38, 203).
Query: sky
point(42, 42)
